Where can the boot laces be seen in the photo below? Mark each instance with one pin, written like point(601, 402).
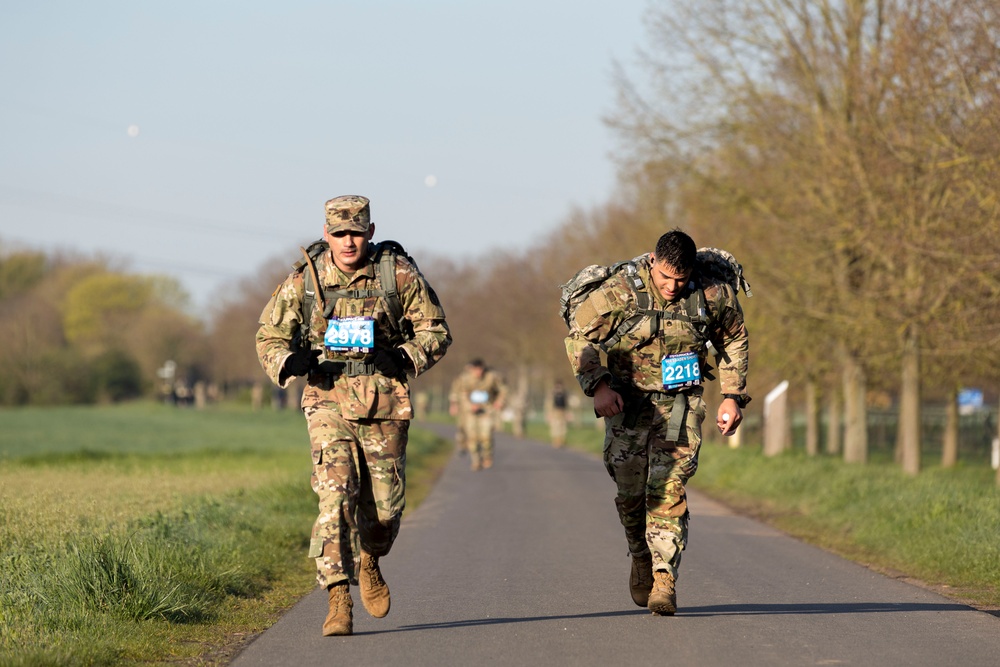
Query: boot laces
point(338, 598)
point(372, 571)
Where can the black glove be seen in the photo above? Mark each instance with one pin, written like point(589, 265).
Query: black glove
point(301, 361)
point(392, 363)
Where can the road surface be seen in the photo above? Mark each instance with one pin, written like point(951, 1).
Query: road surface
point(526, 564)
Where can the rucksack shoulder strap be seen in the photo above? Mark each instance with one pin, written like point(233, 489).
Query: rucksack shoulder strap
point(311, 286)
point(385, 258)
point(630, 272)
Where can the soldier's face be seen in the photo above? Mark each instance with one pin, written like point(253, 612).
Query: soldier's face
point(349, 248)
point(668, 281)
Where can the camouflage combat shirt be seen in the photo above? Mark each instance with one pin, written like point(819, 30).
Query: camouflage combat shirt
point(373, 396)
point(635, 360)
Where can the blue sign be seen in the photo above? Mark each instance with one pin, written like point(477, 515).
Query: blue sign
point(970, 398)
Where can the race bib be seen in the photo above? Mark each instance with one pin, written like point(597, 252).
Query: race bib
point(680, 370)
point(355, 334)
point(479, 397)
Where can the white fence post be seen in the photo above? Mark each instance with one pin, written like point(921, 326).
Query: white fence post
point(776, 420)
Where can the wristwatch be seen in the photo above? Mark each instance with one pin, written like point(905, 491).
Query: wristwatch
point(741, 399)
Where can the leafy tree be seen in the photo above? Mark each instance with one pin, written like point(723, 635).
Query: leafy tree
point(117, 376)
point(20, 271)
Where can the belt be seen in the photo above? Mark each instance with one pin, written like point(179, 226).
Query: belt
point(350, 368)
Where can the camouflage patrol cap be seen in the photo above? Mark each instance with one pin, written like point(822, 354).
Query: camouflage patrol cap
point(348, 213)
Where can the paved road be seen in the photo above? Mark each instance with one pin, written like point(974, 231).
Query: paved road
point(526, 564)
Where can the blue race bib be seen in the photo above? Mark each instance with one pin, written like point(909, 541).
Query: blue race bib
point(680, 370)
point(356, 334)
point(479, 396)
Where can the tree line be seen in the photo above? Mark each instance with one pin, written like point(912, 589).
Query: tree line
point(79, 329)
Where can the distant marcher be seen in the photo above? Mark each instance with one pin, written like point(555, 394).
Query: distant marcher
point(368, 319)
point(479, 396)
point(654, 318)
point(558, 414)
point(457, 409)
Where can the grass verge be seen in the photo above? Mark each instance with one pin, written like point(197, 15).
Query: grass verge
point(176, 551)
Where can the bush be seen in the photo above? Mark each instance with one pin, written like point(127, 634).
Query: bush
point(117, 376)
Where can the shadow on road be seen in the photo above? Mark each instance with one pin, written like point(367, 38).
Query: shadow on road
point(472, 622)
point(818, 608)
point(714, 610)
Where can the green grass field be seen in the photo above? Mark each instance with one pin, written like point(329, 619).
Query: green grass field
point(941, 528)
point(144, 533)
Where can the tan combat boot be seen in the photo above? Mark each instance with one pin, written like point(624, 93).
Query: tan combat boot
point(374, 590)
point(663, 599)
point(640, 581)
point(340, 619)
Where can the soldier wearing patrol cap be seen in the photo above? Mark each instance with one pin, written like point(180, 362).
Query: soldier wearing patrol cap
point(650, 394)
point(356, 358)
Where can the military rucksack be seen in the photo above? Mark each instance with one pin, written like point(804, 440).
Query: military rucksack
point(712, 264)
point(383, 255)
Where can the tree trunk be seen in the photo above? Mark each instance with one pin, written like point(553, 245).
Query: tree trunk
point(949, 444)
point(812, 418)
point(909, 403)
point(855, 411)
point(519, 404)
point(833, 423)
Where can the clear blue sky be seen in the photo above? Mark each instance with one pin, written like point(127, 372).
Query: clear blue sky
point(249, 115)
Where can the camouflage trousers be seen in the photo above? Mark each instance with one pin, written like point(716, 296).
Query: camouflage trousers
point(479, 435)
point(461, 438)
point(359, 474)
point(650, 473)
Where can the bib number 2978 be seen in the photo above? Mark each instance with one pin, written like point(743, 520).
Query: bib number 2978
point(680, 370)
point(350, 333)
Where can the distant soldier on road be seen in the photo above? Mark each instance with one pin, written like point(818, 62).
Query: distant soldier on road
point(478, 395)
point(355, 319)
point(558, 414)
point(654, 318)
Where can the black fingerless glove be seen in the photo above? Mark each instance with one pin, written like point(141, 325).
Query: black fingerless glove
point(392, 363)
point(300, 362)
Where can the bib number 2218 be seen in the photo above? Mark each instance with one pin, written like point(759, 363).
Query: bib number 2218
point(680, 370)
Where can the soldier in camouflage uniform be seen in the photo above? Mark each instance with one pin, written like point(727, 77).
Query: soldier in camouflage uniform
point(653, 426)
point(356, 400)
point(477, 396)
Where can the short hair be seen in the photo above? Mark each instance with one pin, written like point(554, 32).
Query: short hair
point(677, 249)
point(477, 363)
